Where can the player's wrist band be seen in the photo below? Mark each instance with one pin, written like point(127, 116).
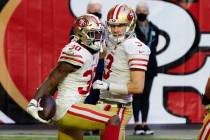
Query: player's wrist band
point(118, 88)
point(205, 100)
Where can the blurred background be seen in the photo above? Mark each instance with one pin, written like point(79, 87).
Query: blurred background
point(32, 34)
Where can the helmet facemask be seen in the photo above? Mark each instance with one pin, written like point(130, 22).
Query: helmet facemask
point(95, 39)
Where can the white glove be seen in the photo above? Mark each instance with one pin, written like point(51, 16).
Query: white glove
point(98, 84)
point(33, 109)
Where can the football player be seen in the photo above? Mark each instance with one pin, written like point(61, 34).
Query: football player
point(125, 65)
point(204, 133)
point(72, 77)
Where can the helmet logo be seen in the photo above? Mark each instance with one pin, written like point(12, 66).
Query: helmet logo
point(82, 22)
point(131, 16)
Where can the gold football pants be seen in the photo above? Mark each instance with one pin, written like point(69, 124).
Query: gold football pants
point(82, 117)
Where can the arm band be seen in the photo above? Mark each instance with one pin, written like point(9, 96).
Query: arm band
point(118, 88)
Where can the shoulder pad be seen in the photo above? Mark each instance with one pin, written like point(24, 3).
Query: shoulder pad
point(135, 46)
point(138, 54)
point(73, 53)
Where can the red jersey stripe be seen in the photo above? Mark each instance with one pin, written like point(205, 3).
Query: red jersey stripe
point(137, 69)
point(72, 55)
point(144, 65)
point(137, 59)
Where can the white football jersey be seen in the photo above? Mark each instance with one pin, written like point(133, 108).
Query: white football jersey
point(76, 86)
point(120, 60)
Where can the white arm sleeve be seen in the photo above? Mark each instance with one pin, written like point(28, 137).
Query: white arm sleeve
point(118, 88)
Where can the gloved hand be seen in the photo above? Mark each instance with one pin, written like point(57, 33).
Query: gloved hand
point(33, 109)
point(114, 88)
point(98, 84)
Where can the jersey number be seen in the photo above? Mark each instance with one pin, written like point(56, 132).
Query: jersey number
point(108, 70)
point(88, 73)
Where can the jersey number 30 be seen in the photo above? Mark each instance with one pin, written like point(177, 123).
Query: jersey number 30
point(87, 73)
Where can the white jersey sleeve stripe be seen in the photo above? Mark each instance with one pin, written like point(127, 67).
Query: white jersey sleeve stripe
point(138, 60)
point(138, 63)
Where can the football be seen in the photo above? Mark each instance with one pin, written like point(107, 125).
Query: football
point(49, 107)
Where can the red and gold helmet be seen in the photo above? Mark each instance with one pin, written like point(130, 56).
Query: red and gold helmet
point(89, 30)
point(121, 14)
